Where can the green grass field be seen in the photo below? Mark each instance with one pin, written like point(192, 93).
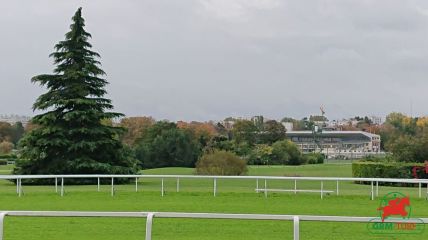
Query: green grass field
point(234, 196)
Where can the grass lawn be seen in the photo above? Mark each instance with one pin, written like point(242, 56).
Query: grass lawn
point(234, 196)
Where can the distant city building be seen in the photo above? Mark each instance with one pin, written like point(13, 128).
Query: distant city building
point(288, 126)
point(376, 120)
point(337, 144)
point(13, 118)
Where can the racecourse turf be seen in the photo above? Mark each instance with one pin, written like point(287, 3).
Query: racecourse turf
point(233, 196)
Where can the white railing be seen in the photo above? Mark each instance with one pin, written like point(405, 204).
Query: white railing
point(150, 215)
point(373, 192)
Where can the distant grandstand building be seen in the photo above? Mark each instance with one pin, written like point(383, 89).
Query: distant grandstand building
point(337, 144)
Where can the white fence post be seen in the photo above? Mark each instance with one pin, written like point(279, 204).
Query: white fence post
point(56, 185)
point(178, 184)
point(257, 185)
point(337, 188)
point(149, 224)
point(2, 215)
point(136, 184)
point(420, 190)
point(98, 184)
point(265, 188)
point(296, 227)
point(322, 186)
point(62, 187)
point(112, 187)
point(372, 192)
point(17, 186)
point(215, 186)
point(162, 192)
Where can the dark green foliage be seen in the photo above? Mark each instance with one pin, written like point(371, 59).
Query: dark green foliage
point(8, 157)
point(220, 142)
point(386, 169)
point(314, 158)
point(165, 145)
point(286, 152)
point(261, 154)
point(221, 163)
point(70, 137)
point(242, 149)
point(245, 131)
point(272, 131)
point(282, 152)
point(410, 148)
point(17, 132)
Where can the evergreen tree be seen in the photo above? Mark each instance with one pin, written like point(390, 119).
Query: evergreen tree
point(71, 137)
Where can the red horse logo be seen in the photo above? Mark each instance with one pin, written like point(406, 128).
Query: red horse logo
point(396, 206)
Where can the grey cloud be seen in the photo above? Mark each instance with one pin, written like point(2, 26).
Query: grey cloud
point(208, 59)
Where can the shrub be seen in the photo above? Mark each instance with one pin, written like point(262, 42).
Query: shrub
point(314, 158)
point(261, 155)
point(286, 152)
point(221, 163)
point(366, 169)
point(7, 157)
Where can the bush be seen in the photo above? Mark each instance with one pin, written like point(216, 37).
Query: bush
point(370, 169)
point(221, 163)
point(7, 157)
point(314, 158)
point(286, 152)
point(261, 155)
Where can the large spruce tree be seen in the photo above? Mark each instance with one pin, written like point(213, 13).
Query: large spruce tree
point(71, 137)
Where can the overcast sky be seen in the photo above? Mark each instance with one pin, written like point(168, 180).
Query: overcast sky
point(209, 59)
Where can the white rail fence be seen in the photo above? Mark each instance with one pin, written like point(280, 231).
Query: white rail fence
point(373, 190)
point(150, 215)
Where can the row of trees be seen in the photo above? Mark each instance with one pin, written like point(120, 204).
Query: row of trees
point(405, 137)
point(162, 143)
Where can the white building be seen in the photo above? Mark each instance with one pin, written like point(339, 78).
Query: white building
point(337, 144)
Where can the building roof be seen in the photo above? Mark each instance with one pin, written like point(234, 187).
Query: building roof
point(333, 133)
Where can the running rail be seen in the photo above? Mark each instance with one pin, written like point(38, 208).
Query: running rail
point(150, 215)
point(374, 182)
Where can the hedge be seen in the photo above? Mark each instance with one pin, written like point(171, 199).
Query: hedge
point(366, 169)
point(7, 157)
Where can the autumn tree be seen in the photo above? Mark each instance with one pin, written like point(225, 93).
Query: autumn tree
point(6, 147)
point(136, 126)
point(202, 131)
